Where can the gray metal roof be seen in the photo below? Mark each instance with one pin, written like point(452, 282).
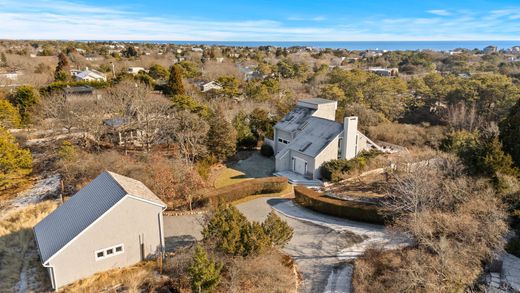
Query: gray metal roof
point(316, 134)
point(317, 101)
point(86, 206)
point(296, 118)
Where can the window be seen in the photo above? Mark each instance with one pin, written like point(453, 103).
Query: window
point(279, 140)
point(109, 252)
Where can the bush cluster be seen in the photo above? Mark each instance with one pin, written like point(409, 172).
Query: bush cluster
point(266, 151)
point(334, 170)
point(244, 189)
point(364, 212)
point(229, 231)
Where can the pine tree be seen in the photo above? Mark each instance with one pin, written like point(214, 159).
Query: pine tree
point(510, 133)
point(61, 73)
point(175, 85)
point(204, 272)
point(15, 162)
point(9, 116)
point(222, 137)
point(279, 232)
point(25, 99)
point(224, 229)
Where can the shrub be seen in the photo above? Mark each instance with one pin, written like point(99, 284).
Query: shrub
point(364, 212)
point(229, 230)
point(15, 162)
point(407, 134)
point(204, 272)
point(277, 230)
point(334, 170)
point(244, 189)
point(266, 150)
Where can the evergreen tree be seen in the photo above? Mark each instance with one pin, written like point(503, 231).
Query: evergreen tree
point(158, 72)
point(9, 116)
point(61, 73)
point(222, 137)
point(204, 272)
point(3, 59)
point(175, 85)
point(25, 99)
point(224, 229)
point(245, 137)
point(277, 230)
point(510, 133)
point(15, 162)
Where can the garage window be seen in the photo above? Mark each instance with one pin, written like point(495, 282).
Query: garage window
point(109, 251)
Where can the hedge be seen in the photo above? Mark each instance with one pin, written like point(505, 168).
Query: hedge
point(334, 170)
point(244, 189)
point(357, 211)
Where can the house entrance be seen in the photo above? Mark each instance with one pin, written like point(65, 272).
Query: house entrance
point(299, 166)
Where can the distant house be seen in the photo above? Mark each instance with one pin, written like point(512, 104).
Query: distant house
point(113, 222)
point(88, 75)
point(219, 59)
point(250, 73)
point(135, 70)
point(309, 136)
point(209, 86)
point(384, 71)
point(77, 92)
point(197, 50)
point(490, 49)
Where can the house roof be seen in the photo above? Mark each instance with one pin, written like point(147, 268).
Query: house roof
point(294, 119)
point(84, 208)
point(316, 133)
point(317, 101)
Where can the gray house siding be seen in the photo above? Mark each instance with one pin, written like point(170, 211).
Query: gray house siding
point(330, 152)
point(129, 221)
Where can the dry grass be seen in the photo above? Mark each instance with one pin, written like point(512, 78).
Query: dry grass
point(17, 244)
point(270, 272)
point(131, 279)
point(229, 176)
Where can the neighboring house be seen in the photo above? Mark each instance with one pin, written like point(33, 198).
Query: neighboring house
point(490, 49)
point(212, 85)
point(309, 136)
point(384, 71)
point(120, 132)
point(113, 222)
point(135, 70)
point(81, 93)
point(197, 50)
point(250, 73)
point(88, 75)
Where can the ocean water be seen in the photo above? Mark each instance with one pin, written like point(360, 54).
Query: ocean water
point(357, 45)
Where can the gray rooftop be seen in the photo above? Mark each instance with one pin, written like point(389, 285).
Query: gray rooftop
point(316, 134)
point(292, 121)
point(317, 101)
point(81, 210)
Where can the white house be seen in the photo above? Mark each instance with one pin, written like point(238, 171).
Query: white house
point(309, 136)
point(384, 71)
point(88, 75)
point(135, 70)
point(212, 85)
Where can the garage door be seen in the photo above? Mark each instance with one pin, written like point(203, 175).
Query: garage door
point(299, 166)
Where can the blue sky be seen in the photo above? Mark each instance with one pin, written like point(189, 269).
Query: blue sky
point(261, 20)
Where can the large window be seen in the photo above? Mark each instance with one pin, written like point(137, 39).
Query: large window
point(110, 251)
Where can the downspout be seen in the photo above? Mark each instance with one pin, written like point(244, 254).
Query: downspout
point(161, 230)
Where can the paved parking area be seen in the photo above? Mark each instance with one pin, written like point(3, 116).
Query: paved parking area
point(321, 246)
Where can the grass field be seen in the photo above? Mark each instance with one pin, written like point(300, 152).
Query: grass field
point(19, 265)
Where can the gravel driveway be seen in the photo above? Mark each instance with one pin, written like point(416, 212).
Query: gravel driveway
point(321, 246)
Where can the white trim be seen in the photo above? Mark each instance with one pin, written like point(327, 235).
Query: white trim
point(148, 201)
point(105, 250)
point(97, 220)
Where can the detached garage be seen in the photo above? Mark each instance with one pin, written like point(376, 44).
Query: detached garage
point(113, 222)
